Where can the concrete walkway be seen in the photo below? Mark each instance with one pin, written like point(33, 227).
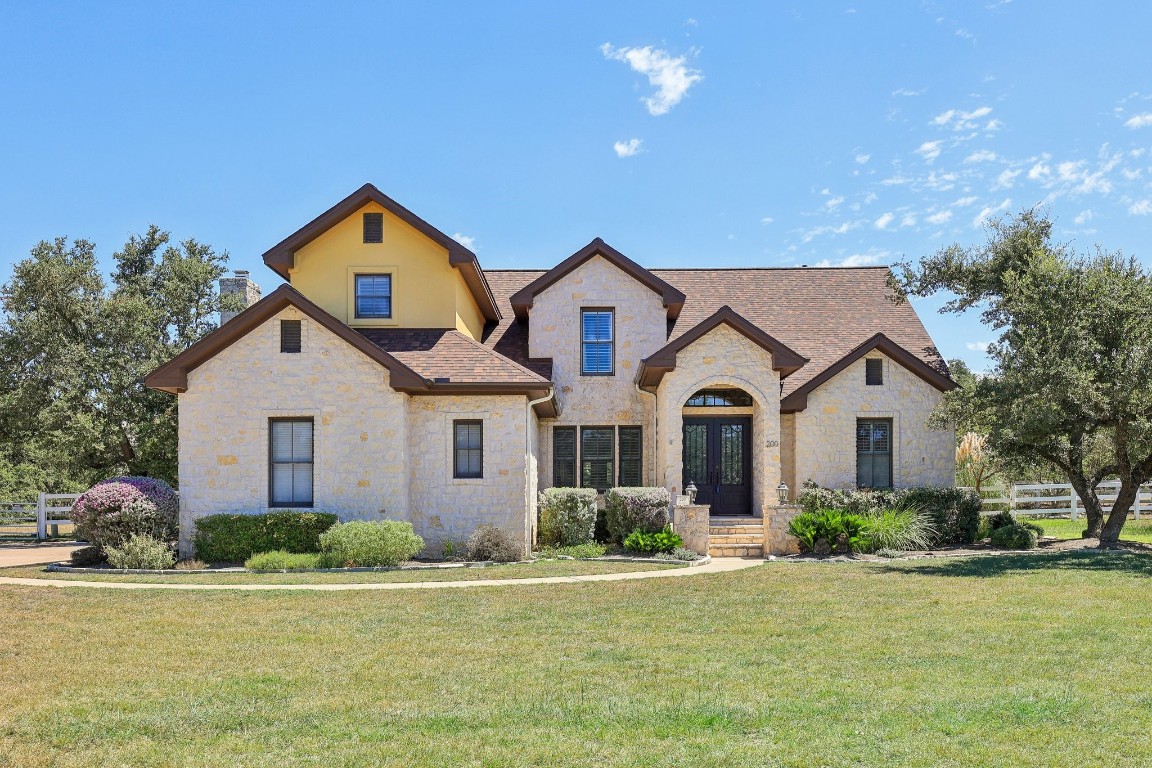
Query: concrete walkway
point(718, 565)
point(34, 553)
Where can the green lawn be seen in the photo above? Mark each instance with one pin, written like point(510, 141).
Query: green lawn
point(533, 570)
point(1134, 530)
point(987, 661)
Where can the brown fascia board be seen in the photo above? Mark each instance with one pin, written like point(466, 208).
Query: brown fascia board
point(522, 300)
point(798, 400)
point(173, 375)
point(530, 389)
point(784, 359)
point(281, 257)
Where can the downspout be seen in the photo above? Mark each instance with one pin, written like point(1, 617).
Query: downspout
point(655, 426)
point(529, 524)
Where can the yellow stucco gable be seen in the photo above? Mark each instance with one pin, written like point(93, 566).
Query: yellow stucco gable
point(427, 292)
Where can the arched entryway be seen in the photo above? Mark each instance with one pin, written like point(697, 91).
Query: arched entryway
point(717, 449)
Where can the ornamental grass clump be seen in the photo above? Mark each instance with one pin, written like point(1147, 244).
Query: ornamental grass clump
point(362, 544)
point(567, 516)
point(636, 509)
point(143, 553)
point(898, 528)
point(279, 560)
point(111, 512)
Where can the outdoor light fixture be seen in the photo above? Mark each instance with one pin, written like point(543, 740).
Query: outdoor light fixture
point(782, 492)
point(691, 492)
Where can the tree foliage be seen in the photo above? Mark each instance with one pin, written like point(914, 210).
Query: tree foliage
point(1070, 387)
point(74, 350)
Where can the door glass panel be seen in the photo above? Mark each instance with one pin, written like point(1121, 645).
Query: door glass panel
point(696, 454)
point(731, 454)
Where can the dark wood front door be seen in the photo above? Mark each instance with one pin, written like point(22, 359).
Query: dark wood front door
point(718, 460)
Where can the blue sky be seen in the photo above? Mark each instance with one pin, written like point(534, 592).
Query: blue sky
point(683, 133)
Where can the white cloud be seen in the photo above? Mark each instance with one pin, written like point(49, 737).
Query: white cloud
point(465, 240)
point(959, 120)
point(897, 180)
point(871, 197)
point(908, 92)
point(989, 210)
point(978, 346)
point(669, 75)
point(1084, 217)
point(939, 218)
point(1139, 121)
point(1039, 172)
point(628, 148)
point(908, 220)
point(884, 220)
point(1006, 179)
point(840, 229)
point(1140, 208)
point(993, 125)
point(862, 158)
point(834, 203)
point(767, 220)
point(981, 156)
point(964, 202)
point(929, 150)
point(856, 260)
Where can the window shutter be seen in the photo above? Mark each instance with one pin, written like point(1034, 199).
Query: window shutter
point(289, 335)
point(873, 371)
point(631, 454)
point(564, 457)
point(596, 457)
point(373, 227)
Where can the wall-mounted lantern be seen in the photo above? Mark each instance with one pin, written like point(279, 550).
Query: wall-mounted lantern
point(782, 492)
point(690, 491)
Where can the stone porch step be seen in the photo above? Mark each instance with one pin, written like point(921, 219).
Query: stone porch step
point(742, 550)
point(735, 530)
point(726, 541)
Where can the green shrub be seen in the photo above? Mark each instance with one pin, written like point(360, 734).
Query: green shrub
point(953, 513)
point(361, 544)
point(567, 516)
point(636, 509)
point(87, 557)
point(577, 551)
point(489, 543)
point(279, 560)
point(234, 537)
point(898, 528)
point(828, 530)
point(1014, 537)
point(142, 552)
point(651, 542)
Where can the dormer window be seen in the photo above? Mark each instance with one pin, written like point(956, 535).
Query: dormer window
point(373, 296)
point(373, 227)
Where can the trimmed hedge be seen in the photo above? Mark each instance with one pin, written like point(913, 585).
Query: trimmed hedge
point(636, 509)
point(567, 516)
point(954, 513)
point(1014, 536)
point(233, 538)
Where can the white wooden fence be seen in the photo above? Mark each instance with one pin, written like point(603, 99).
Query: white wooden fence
point(1057, 499)
point(49, 511)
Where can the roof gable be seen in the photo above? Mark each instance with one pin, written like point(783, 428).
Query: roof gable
point(798, 399)
point(522, 300)
point(784, 359)
point(281, 257)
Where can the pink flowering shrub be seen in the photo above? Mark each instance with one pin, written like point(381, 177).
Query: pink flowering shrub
point(109, 513)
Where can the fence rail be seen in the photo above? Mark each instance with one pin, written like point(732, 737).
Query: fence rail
point(1057, 499)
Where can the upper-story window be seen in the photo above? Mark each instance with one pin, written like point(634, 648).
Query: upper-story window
point(873, 371)
point(597, 342)
point(373, 227)
point(373, 296)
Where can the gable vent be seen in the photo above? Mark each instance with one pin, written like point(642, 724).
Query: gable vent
point(874, 371)
point(289, 335)
point(373, 227)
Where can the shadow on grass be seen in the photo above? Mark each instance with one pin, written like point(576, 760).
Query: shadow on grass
point(1011, 564)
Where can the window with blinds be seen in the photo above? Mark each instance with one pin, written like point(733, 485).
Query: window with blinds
point(597, 345)
point(373, 296)
point(468, 437)
point(873, 371)
point(373, 227)
point(289, 335)
point(874, 453)
point(596, 459)
point(631, 453)
point(290, 462)
point(564, 457)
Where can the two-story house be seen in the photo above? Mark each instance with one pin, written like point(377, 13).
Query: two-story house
point(392, 377)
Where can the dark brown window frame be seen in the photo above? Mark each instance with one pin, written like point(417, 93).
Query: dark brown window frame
point(639, 459)
point(612, 342)
point(376, 216)
point(272, 503)
point(356, 296)
point(286, 347)
point(456, 475)
point(891, 449)
point(612, 458)
point(574, 461)
point(869, 370)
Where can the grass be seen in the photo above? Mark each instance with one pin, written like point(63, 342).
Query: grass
point(990, 661)
point(1134, 530)
point(510, 571)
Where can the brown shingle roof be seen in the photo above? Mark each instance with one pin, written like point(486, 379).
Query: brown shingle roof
point(436, 353)
point(509, 337)
point(821, 313)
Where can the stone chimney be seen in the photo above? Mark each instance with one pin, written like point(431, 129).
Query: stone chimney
point(237, 294)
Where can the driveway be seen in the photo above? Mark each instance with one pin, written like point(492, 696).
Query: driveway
point(21, 553)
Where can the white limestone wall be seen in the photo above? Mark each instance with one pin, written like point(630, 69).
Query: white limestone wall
point(447, 509)
point(826, 429)
point(641, 329)
point(723, 358)
point(360, 446)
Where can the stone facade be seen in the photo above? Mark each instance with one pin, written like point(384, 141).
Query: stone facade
point(776, 538)
point(723, 357)
point(690, 521)
point(641, 329)
point(825, 432)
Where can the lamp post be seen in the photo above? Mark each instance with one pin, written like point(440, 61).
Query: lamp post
point(782, 492)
